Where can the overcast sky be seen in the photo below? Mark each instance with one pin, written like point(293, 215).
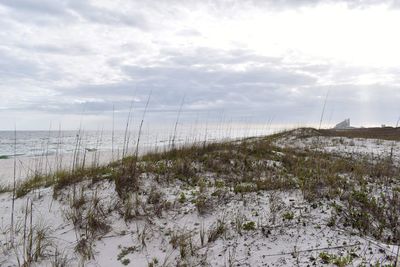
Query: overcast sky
point(67, 61)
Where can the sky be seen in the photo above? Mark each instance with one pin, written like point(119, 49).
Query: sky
point(68, 62)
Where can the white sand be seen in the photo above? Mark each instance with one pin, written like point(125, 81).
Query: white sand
point(26, 166)
point(273, 242)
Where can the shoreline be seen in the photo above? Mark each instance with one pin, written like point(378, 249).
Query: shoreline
point(28, 165)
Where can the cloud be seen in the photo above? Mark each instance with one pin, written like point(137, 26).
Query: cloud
point(71, 11)
point(70, 50)
point(33, 6)
point(217, 80)
point(103, 15)
point(308, 3)
point(14, 66)
point(241, 58)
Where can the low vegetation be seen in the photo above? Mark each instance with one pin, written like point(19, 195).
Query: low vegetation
point(364, 194)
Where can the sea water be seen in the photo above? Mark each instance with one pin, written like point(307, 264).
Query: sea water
point(49, 150)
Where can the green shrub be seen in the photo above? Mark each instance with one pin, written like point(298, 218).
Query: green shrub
point(289, 215)
point(244, 188)
point(217, 231)
point(340, 261)
point(182, 198)
point(249, 226)
point(219, 184)
point(201, 204)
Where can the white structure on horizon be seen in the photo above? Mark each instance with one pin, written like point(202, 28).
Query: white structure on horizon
point(343, 125)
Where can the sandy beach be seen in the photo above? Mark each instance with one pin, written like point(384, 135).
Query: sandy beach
point(227, 204)
point(27, 165)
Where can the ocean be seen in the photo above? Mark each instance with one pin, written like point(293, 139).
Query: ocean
point(49, 150)
point(41, 143)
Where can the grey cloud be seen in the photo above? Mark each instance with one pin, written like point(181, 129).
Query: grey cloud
point(38, 12)
point(211, 77)
point(101, 15)
point(267, 86)
point(88, 107)
point(70, 50)
point(48, 11)
point(42, 11)
point(204, 55)
point(13, 66)
point(219, 89)
point(237, 81)
point(34, 6)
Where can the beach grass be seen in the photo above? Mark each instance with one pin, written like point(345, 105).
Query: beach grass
point(208, 175)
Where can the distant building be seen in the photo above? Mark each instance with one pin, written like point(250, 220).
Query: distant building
point(343, 125)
